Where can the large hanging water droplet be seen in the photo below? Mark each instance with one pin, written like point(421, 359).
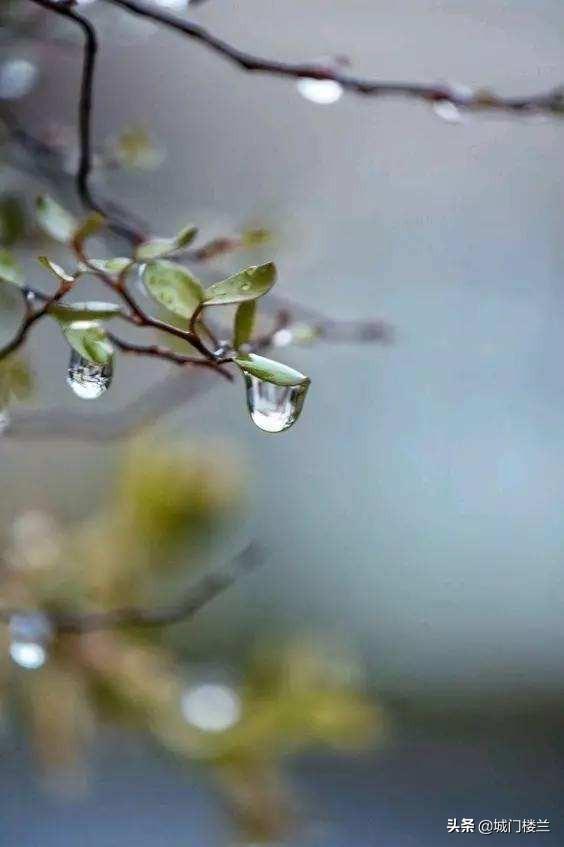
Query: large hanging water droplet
point(30, 635)
point(321, 91)
point(274, 408)
point(88, 380)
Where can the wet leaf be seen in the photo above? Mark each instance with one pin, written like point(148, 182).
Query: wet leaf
point(54, 220)
point(108, 266)
point(90, 311)
point(90, 341)
point(173, 287)
point(10, 270)
point(55, 269)
point(244, 323)
point(246, 285)
point(158, 247)
point(268, 370)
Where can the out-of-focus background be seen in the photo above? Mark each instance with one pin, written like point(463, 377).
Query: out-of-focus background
point(415, 510)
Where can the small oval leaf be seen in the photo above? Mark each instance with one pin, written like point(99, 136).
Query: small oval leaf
point(90, 340)
point(54, 220)
point(270, 371)
point(158, 247)
point(10, 270)
point(90, 311)
point(56, 269)
point(244, 323)
point(173, 287)
point(106, 266)
point(249, 284)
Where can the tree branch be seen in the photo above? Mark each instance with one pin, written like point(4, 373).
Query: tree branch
point(550, 102)
point(203, 591)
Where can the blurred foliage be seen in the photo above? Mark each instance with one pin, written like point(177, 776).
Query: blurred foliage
point(170, 503)
point(134, 149)
point(16, 380)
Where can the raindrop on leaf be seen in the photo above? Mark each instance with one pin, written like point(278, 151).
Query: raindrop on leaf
point(274, 408)
point(88, 380)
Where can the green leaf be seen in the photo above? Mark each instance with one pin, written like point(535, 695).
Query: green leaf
point(135, 149)
point(174, 287)
point(244, 323)
point(246, 285)
point(107, 266)
point(158, 247)
point(270, 371)
point(90, 226)
point(55, 269)
point(54, 220)
point(90, 340)
point(10, 270)
point(16, 381)
point(12, 219)
point(90, 311)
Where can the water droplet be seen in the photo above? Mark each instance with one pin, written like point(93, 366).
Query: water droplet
point(274, 408)
point(87, 379)
point(30, 635)
point(448, 111)
point(211, 707)
point(17, 78)
point(224, 349)
point(282, 338)
point(321, 91)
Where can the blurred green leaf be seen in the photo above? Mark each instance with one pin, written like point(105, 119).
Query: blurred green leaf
point(108, 266)
point(270, 371)
point(15, 379)
point(244, 323)
point(54, 220)
point(12, 220)
point(158, 247)
point(89, 227)
point(90, 311)
point(90, 340)
point(174, 287)
point(10, 270)
point(55, 269)
point(135, 149)
point(246, 285)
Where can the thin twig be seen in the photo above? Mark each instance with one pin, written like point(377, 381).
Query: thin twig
point(85, 116)
point(551, 101)
point(203, 591)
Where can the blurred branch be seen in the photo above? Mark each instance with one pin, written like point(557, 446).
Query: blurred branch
point(84, 169)
point(548, 102)
point(203, 591)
